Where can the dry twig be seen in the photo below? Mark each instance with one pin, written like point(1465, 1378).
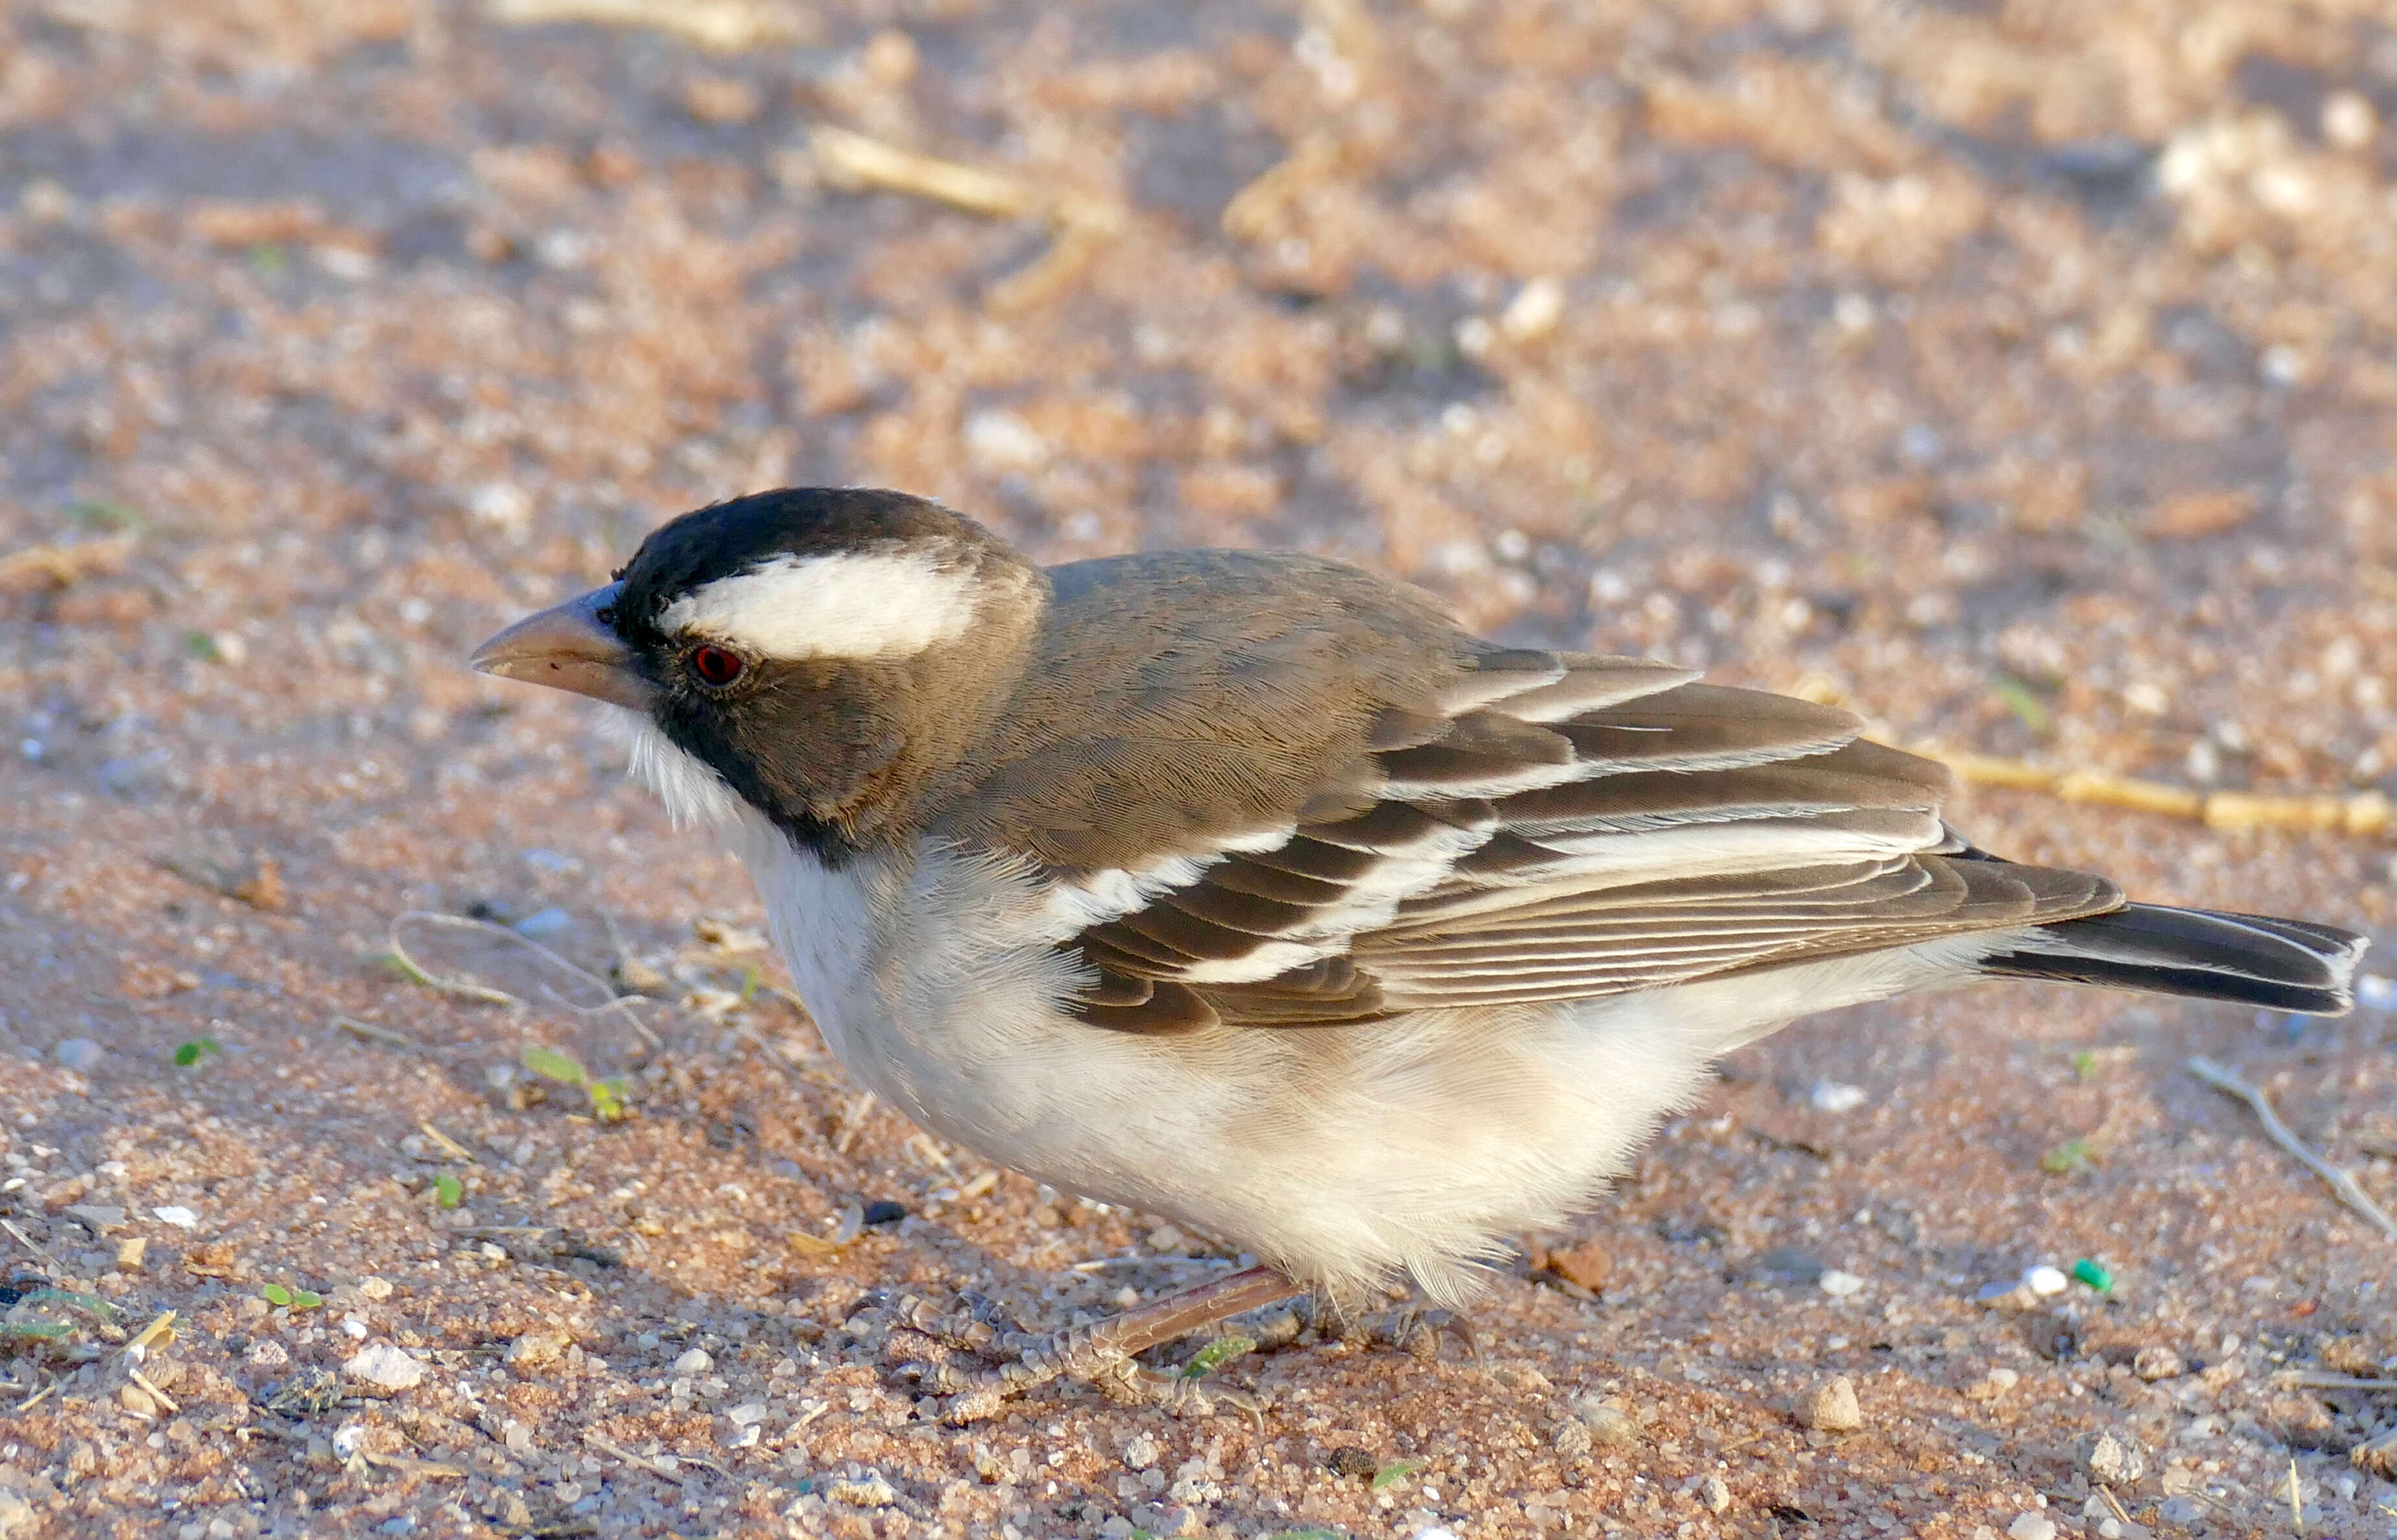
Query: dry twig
point(662, 1465)
point(59, 566)
point(2311, 1379)
point(468, 989)
point(155, 1394)
point(1084, 225)
point(2365, 813)
point(448, 1145)
point(2342, 1184)
point(725, 26)
point(855, 161)
point(161, 1331)
point(372, 1033)
point(27, 1241)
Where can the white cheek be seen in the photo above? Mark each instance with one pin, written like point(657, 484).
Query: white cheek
point(694, 794)
point(889, 603)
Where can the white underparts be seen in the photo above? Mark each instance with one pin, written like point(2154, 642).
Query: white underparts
point(868, 603)
point(693, 792)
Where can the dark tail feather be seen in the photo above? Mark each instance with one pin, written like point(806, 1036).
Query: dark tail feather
point(2279, 965)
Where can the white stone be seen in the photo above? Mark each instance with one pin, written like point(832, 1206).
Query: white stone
point(1534, 310)
point(176, 1216)
point(696, 1362)
point(1833, 1408)
point(2044, 1280)
point(1835, 1097)
point(1838, 1284)
point(2031, 1526)
point(384, 1365)
point(1001, 441)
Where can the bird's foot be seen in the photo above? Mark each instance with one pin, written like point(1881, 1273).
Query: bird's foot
point(927, 1342)
point(1414, 1330)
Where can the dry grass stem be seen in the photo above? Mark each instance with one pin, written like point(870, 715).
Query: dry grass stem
point(27, 1241)
point(372, 1033)
point(2365, 813)
point(449, 1146)
point(155, 1394)
point(855, 161)
point(639, 1462)
point(2344, 1185)
point(725, 26)
point(2310, 1379)
point(58, 567)
point(468, 989)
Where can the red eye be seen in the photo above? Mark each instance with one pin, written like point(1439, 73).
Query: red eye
point(716, 667)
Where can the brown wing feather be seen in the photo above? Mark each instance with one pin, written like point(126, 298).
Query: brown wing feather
point(1453, 824)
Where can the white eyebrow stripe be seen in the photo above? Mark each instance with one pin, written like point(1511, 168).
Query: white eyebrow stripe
point(870, 604)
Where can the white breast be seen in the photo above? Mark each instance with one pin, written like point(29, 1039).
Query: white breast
point(1340, 1152)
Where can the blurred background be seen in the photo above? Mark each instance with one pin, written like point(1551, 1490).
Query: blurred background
point(1953, 349)
point(2019, 372)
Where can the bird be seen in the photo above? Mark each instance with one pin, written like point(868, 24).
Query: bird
point(1245, 889)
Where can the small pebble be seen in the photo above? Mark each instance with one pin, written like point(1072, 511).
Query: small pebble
point(2183, 1509)
point(1587, 1266)
point(696, 1362)
point(1996, 1383)
point(2044, 1280)
point(1787, 1265)
point(1144, 1452)
point(548, 921)
point(1833, 1407)
point(134, 1400)
point(1835, 1097)
point(882, 1211)
point(1534, 310)
point(1714, 1494)
point(1349, 1460)
point(2159, 1363)
point(2031, 1526)
point(868, 1491)
point(1840, 1285)
point(1607, 1421)
point(374, 1288)
point(80, 1054)
point(747, 1415)
point(2112, 1458)
point(535, 1350)
point(384, 1365)
point(181, 1218)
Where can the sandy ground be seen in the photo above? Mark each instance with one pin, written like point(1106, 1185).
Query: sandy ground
point(2017, 372)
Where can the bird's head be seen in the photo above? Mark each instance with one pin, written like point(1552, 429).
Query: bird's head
point(826, 655)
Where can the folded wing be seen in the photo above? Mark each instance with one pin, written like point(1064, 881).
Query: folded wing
point(1555, 827)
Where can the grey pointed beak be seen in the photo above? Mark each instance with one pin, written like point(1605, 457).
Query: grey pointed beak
point(567, 647)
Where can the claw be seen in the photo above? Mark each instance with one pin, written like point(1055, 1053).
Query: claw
point(1417, 1330)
